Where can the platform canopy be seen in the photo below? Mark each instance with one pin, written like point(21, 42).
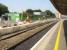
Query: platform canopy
point(60, 5)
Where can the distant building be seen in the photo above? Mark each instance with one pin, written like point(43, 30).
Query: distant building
point(37, 14)
point(9, 19)
point(13, 16)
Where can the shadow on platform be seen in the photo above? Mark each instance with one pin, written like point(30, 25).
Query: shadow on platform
point(65, 29)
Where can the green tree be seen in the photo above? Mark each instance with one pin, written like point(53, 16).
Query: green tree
point(29, 13)
point(38, 10)
point(49, 14)
point(3, 9)
point(24, 15)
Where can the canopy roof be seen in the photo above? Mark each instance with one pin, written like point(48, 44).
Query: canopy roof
point(60, 5)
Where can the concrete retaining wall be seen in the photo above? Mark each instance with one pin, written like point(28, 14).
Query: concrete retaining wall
point(12, 29)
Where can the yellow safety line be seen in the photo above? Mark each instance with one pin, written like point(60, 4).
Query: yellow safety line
point(57, 39)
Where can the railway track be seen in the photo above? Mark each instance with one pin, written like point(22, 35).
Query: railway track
point(29, 42)
point(9, 35)
point(10, 41)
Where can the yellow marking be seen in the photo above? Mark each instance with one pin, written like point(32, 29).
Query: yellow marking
point(57, 39)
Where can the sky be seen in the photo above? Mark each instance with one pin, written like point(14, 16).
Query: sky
point(22, 5)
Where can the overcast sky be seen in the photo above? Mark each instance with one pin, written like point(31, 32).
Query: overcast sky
point(22, 5)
